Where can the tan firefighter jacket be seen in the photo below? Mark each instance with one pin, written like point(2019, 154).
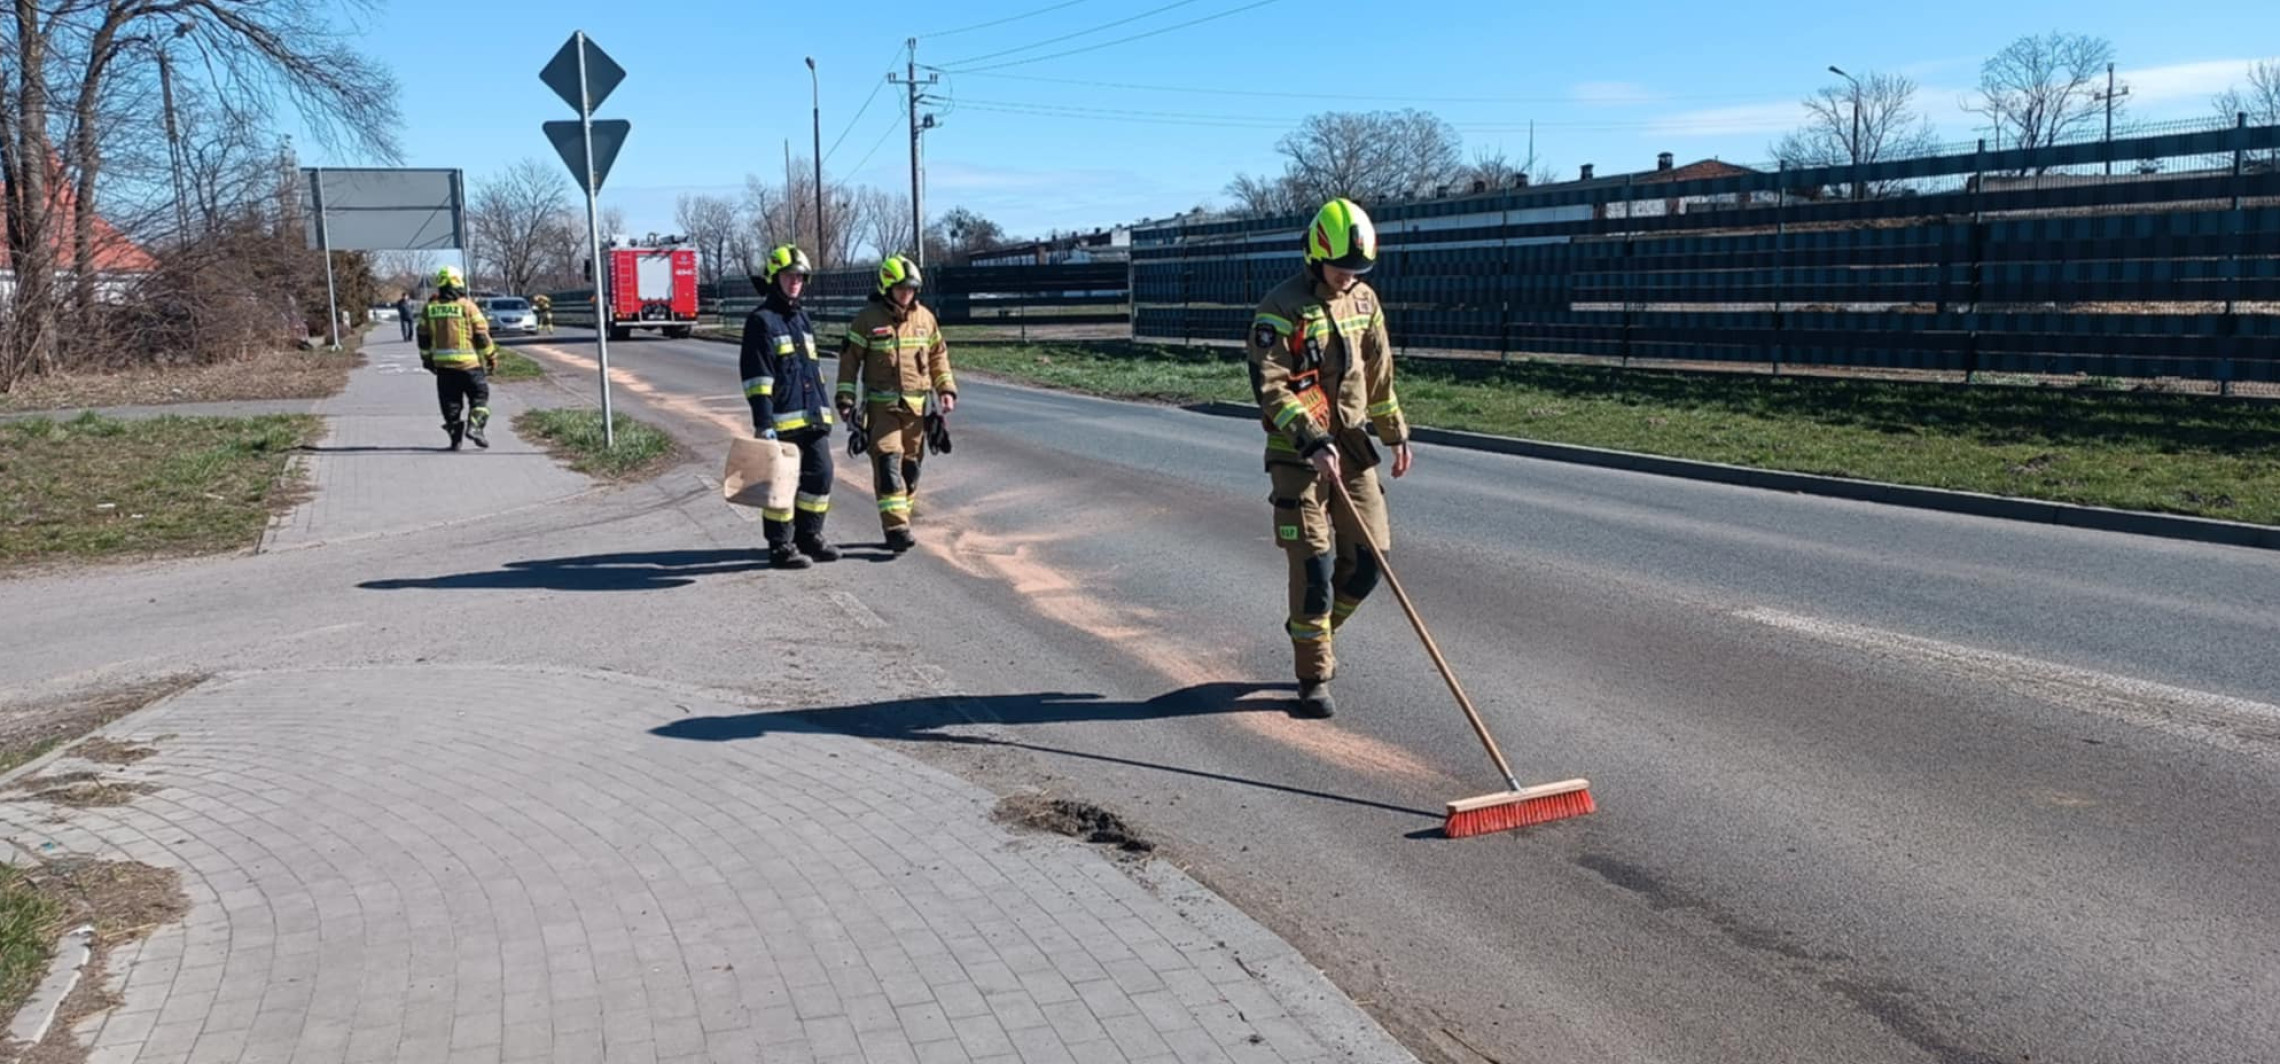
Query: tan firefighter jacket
point(1312, 390)
point(897, 355)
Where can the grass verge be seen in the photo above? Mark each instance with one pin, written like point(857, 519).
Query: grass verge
point(96, 487)
point(2180, 454)
point(28, 925)
point(267, 375)
point(574, 435)
point(516, 366)
point(125, 901)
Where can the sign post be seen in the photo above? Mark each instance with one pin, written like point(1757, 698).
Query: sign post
point(583, 75)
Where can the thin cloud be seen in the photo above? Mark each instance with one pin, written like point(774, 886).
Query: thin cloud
point(2194, 82)
point(1730, 121)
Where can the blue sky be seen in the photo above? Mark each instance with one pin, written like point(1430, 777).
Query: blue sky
point(715, 88)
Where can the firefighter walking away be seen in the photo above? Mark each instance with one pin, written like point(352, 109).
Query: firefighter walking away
point(455, 345)
point(783, 382)
point(542, 307)
point(892, 362)
point(1322, 369)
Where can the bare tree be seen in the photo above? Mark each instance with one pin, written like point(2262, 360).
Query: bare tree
point(709, 222)
point(516, 218)
point(2260, 101)
point(2042, 90)
point(887, 218)
point(963, 232)
point(1883, 115)
point(1265, 196)
point(251, 58)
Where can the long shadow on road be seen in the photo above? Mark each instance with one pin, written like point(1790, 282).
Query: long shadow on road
point(923, 720)
point(628, 571)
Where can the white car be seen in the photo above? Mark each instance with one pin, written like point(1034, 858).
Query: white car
point(509, 314)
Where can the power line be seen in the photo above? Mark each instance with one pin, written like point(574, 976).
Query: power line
point(1002, 21)
point(1080, 33)
point(875, 145)
point(1111, 114)
point(850, 127)
point(1270, 94)
point(1123, 40)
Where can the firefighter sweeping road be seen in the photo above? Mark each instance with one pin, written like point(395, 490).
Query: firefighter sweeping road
point(1876, 784)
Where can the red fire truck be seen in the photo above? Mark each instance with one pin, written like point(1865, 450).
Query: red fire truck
point(652, 288)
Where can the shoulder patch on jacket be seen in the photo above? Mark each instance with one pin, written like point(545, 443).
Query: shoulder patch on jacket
point(1264, 335)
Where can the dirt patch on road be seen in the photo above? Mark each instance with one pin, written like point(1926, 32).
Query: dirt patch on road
point(1075, 819)
point(30, 729)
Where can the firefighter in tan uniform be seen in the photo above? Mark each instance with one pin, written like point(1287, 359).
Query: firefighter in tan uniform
point(894, 350)
point(455, 345)
point(542, 305)
point(1322, 369)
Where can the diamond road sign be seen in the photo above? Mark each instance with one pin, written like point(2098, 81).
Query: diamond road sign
point(602, 74)
point(570, 143)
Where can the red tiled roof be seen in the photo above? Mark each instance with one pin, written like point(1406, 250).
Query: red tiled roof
point(114, 252)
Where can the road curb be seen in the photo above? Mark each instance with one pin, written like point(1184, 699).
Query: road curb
point(1976, 504)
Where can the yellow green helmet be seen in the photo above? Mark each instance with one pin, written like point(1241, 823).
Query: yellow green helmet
point(1342, 236)
point(450, 277)
point(783, 257)
point(899, 270)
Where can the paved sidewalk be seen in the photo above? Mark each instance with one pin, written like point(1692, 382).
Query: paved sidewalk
point(430, 864)
point(383, 467)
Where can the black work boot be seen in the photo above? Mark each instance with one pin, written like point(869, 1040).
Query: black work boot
point(1314, 700)
point(817, 548)
point(782, 556)
point(900, 540)
point(455, 430)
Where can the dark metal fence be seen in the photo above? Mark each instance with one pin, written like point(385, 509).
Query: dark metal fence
point(2028, 261)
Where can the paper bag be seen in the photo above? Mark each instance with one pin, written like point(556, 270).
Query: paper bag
point(763, 473)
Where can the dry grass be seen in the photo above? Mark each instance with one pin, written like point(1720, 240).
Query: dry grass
point(270, 375)
point(32, 728)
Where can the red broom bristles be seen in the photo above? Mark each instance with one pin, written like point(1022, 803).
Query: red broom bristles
point(1515, 809)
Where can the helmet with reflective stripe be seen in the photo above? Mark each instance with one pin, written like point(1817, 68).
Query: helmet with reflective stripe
point(1342, 236)
point(784, 257)
point(449, 277)
point(897, 270)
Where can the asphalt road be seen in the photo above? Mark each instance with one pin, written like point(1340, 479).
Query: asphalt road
point(1875, 784)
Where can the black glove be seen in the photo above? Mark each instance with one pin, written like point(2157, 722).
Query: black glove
point(937, 433)
point(858, 441)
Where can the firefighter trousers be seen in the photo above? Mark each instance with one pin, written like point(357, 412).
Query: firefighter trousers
point(1332, 568)
point(468, 388)
point(898, 443)
point(805, 519)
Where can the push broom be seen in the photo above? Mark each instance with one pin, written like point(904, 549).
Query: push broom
point(1507, 810)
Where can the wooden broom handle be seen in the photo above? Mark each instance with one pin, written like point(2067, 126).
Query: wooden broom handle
point(1480, 727)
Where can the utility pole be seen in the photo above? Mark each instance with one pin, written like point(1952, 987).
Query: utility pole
point(918, 125)
point(173, 145)
point(815, 102)
point(2108, 96)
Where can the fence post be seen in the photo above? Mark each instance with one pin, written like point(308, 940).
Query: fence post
point(1780, 263)
point(1630, 222)
point(1978, 249)
point(2235, 227)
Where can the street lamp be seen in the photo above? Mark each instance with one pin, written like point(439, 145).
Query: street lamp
point(815, 96)
point(1856, 126)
